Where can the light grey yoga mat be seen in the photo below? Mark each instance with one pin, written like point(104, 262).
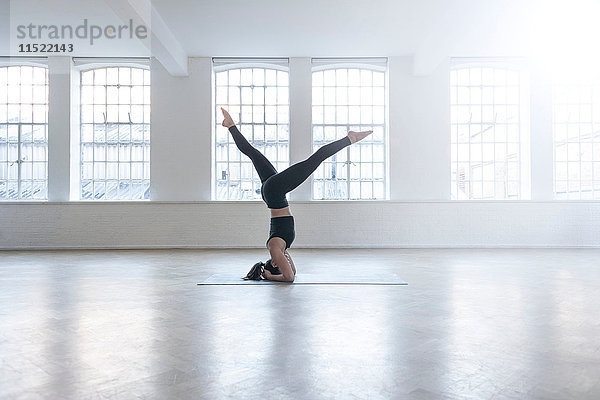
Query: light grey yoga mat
point(312, 279)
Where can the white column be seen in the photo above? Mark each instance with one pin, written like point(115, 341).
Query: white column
point(419, 132)
point(181, 133)
point(398, 70)
point(59, 127)
point(301, 119)
point(542, 147)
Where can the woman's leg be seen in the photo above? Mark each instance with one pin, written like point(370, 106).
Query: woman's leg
point(263, 166)
point(290, 178)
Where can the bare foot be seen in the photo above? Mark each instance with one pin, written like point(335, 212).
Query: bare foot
point(227, 120)
point(356, 136)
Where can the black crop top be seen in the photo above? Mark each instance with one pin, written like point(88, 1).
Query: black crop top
point(283, 227)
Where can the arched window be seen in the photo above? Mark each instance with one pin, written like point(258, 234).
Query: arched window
point(350, 97)
point(257, 97)
point(23, 132)
point(115, 133)
point(488, 144)
point(576, 126)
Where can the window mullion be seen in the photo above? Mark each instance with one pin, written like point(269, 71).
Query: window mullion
point(348, 169)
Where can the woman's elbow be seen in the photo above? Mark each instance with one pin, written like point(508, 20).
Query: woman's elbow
point(289, 278)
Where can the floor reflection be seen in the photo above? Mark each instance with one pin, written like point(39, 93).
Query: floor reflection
point(477, 324)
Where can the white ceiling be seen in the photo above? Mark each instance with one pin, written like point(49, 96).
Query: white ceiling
point(346, 28)
point(429, 30)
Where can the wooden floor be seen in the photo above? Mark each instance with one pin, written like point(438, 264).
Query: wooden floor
point(471, 324)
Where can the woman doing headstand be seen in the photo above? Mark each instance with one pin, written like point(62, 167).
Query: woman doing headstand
point(275, 185)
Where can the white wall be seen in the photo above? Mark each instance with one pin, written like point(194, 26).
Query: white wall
point(419, 126)
point(418, 214)
point(180, 129)
point(59, 128)
point(320, 224)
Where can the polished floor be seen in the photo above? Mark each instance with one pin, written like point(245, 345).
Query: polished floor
point(471, 324)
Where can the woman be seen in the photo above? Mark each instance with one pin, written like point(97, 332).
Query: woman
point(274, 188)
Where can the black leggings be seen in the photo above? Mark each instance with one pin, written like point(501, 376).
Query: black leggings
point(275, 185)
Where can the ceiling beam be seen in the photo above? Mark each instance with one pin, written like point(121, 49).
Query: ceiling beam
point(163, 45)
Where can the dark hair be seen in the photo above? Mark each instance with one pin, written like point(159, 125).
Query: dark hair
point(256, 272)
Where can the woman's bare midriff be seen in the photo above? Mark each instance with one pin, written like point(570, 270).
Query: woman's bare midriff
point(280, 212)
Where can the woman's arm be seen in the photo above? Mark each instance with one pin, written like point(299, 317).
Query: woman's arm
point(290, 260)
point(269, 276)
point(279, 259)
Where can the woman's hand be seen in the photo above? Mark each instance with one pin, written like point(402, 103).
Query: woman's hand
point(267, 275)
point(227, 120)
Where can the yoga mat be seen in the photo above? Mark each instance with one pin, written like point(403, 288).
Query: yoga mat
point(312, 279)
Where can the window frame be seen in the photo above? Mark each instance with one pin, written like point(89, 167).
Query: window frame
point(566, 85)
point(33, 62)
point(521, 66)
point(228, 64)
point(373, 65)
point(86, 65)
